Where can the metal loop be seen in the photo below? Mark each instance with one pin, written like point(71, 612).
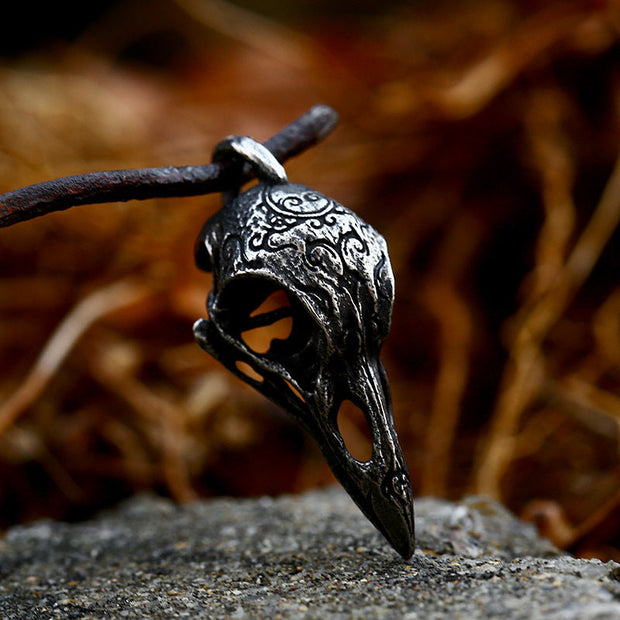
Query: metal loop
point(267, 168)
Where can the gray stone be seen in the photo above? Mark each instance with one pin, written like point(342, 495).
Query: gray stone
point(308, 556)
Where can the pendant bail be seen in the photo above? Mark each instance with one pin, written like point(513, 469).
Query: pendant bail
point(247, 150)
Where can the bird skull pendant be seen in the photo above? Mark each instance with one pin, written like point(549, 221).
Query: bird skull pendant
point(336, 275)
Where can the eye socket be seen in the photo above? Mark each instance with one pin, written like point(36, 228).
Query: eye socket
point(274, 301)
point(355, 432)
point(270, 321)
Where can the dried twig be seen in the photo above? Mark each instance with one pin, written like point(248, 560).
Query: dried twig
point(485, 79)
point(249, 28)
point(163, 421)
point(86, 312)
point(525, 372)
point(455, 323)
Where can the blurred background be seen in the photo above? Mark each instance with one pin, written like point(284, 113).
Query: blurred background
point(480, 137)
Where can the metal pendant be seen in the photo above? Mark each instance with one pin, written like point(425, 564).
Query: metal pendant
point(335, 272)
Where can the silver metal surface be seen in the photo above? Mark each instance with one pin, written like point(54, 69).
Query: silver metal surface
point(336, 274)
point(266, 166)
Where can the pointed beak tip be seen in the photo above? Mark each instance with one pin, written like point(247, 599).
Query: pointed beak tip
point(395, 521)
point(405, 549)
point(402, 541)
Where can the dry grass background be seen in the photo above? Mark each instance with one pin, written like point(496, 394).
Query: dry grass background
point(480, 137)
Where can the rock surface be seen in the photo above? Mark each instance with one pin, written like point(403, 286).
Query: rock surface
point(311, 556)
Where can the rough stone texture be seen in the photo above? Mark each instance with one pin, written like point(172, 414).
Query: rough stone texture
point(312, 556)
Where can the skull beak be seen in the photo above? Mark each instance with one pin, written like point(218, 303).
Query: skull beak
point(380, 486)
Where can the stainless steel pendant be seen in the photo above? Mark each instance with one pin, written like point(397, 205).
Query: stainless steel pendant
point(335, 272)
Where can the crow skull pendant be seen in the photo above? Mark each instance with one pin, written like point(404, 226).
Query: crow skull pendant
point(335, 272)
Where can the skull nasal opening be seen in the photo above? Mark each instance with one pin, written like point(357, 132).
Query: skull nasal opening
point(355, 431)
